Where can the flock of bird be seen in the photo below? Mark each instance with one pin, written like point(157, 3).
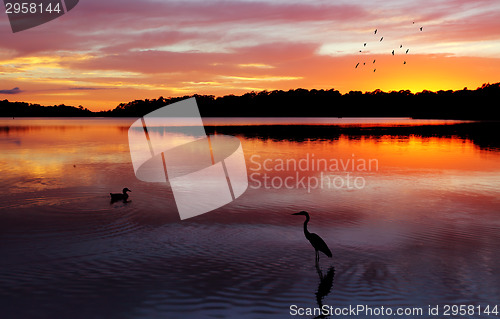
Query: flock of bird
point(393, 51)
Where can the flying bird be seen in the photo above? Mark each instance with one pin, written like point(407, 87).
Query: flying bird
point(382, 38)
point(375, 31)
point(317, 242)
point(392, 52)
point(421, 28)
point(373, 61)
point(356, 66)
point(374, 70)
point(404, 62)
point(364, 44)
point(407, 51)
point(400, 46)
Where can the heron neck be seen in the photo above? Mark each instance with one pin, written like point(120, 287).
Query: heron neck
point(306, 232)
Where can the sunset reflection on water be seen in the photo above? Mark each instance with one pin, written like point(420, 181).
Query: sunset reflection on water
point(422, 229)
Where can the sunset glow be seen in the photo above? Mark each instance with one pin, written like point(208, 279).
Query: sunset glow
point(103, 53)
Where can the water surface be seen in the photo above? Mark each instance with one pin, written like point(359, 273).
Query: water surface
point(424, 228)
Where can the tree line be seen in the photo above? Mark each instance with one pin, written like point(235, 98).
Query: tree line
point(481, 103)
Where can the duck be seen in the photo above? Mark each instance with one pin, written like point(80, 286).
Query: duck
point(120, 196)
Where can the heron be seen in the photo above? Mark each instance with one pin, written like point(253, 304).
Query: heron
point(317, 242)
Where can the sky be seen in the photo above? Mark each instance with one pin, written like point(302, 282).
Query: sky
point(103, 53)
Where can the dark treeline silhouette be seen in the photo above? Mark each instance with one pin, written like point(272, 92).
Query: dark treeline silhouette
point(23, 109)
point(460, 104)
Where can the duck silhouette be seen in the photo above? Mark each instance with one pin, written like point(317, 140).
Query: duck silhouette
point(120, 196)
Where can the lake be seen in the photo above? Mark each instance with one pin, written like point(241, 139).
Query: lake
point(409, 208)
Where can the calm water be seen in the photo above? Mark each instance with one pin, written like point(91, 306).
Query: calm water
point(410, 210)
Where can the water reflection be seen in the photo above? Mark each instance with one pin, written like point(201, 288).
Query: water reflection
point(324, 287)
point(479, 133)
point(423, 230)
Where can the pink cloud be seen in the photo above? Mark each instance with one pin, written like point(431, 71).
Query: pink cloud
point(123, 25)
point(152, 62)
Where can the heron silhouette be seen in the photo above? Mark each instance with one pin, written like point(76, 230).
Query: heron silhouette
point(317, 242)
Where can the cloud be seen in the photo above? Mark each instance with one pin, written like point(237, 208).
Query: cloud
point(119, 50)
point(84, 88)
point(15, 90)
point(120, 26)
point(195, 63)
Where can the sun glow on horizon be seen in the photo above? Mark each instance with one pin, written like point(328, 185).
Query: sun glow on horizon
point(233, 48)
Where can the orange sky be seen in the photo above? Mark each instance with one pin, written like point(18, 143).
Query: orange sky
point(103, 53)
